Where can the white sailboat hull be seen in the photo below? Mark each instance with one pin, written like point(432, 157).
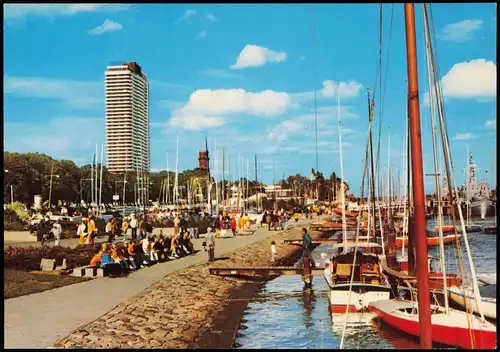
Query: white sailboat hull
point(362, 294)
point(488, 305)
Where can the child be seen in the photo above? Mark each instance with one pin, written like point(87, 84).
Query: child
point(273, 251)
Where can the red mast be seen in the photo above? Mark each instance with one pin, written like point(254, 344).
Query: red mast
point(420, 235)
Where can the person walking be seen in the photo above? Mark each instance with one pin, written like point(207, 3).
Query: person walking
point(57, 231)
point(125, 227)
point(273, 251)
point(210, 242)
point(177, 222)
point(233, 225)
point(109, 230)
point(92, 231)
point(306, 249)
point(133, 226)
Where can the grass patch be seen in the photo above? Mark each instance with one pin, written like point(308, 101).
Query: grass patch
point(19, 283)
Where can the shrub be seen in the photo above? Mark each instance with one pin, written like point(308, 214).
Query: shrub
point(28, 259)
point(20, 210)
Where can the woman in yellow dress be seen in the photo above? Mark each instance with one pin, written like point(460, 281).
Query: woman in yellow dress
point(90, 231)
point(241, 222)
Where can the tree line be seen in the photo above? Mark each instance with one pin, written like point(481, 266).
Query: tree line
point(29, 174)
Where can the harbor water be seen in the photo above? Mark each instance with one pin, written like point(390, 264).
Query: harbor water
point(283, 314)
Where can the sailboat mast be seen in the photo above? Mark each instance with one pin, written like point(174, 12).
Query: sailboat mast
point(95, 175)
point(100, 180)
point(256, 186)
point(176, 181)
point(372, 183)
point(424, 308)
point(342, 190)
point(167, 198)
point(436, 174)
point(223, 174)
point(209, 179)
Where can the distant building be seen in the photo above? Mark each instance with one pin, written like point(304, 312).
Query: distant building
point(278, 191)
point(127, 118)
point(203, 160)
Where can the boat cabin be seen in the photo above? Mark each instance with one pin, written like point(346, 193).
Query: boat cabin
point(366, 269)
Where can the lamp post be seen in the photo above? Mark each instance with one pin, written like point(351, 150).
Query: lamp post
point(124, 185)
point(50, 188)
point(11, 190)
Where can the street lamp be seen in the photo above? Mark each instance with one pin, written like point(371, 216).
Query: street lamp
point(50, 188)
point(11, 189)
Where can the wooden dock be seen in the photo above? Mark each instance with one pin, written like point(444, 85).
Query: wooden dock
point(263, 271)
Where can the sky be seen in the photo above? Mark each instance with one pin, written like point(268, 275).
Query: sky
point(252, 78)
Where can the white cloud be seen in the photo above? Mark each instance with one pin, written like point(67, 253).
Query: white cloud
point(107, 26)
point(19, 11)
point(329, 90)
point(302, 129)
point(473, 79)
point(81, 94)
point(267, 103)
point(187, 14)
point(460, 31)
point(491, 124)
point(463, 136)
point(210, 16)
point(257, 56)
point(195, 122)
point(202, 34)
point(205, 103)
point(225, 102)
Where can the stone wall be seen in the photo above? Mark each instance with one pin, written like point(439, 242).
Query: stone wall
point(179, 310)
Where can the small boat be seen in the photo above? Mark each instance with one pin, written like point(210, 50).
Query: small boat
point(488, 299)
point(431, 241)
point(490, 230)
point(445, 228)
point(449, 329)
point(369, 283)
point(347, 213)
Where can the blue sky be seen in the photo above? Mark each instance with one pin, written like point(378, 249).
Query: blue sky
point(245, 75)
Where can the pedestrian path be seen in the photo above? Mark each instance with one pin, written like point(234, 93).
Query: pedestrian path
point(39, 320)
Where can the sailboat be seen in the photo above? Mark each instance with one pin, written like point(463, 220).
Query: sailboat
point(429, 322)
point(353, 277)
point(488, 299)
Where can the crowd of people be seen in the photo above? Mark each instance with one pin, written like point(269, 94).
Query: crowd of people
point(147, 250)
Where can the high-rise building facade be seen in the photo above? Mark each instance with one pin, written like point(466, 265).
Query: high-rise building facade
point(127, 118)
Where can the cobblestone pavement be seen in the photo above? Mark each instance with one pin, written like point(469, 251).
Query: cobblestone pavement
point(175, 311)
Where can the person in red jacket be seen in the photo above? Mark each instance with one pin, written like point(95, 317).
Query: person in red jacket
point(233, 225)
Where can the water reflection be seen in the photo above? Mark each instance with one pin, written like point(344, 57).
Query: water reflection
point(308, 302)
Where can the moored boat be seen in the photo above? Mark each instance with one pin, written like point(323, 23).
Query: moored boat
point(369, 284)
point(431, 241)
point(447, 328)
point(490, 230)
point(445, 228)
point(488, 299)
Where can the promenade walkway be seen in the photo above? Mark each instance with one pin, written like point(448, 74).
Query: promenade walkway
point(38, 320)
